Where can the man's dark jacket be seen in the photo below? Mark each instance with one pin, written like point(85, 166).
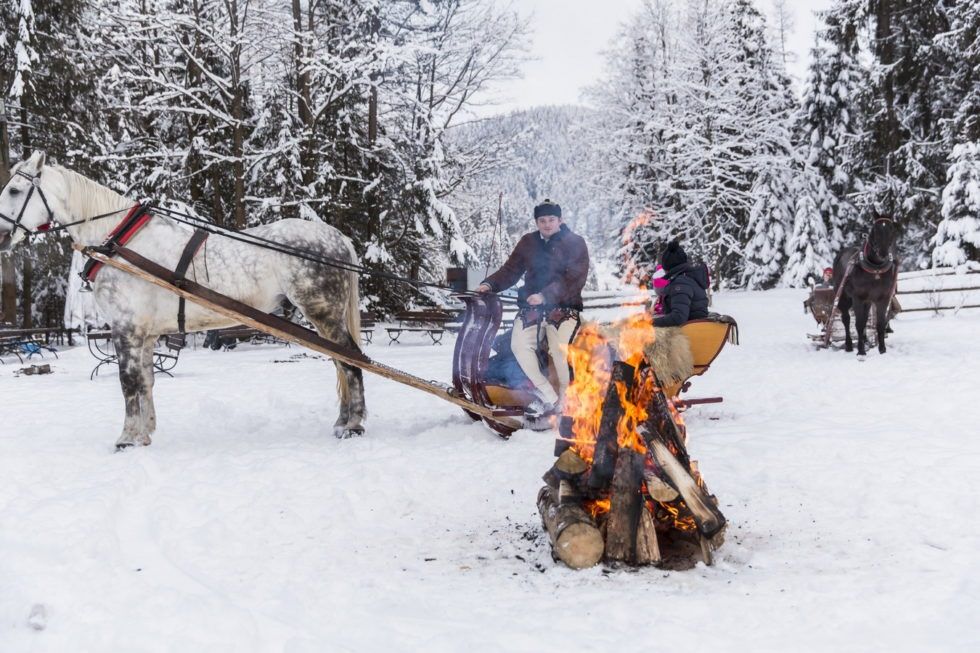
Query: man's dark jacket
point(557, 268)
point(686, 297)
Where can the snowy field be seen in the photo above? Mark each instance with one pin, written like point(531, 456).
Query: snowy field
point(851, 489)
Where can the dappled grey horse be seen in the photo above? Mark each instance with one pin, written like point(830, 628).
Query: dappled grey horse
point(38, 196)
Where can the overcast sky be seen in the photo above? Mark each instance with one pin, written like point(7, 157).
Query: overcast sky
point(569, 36)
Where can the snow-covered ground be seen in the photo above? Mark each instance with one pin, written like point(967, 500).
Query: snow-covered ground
point(851, 489)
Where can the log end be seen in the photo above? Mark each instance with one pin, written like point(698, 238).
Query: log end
point(580, 546)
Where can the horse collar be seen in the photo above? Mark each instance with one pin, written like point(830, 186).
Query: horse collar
point(871, 267)
point(137, 217)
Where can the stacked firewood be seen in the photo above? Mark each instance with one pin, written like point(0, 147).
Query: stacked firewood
point(631, 489)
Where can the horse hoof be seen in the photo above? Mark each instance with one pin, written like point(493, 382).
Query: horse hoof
point(343, 433)
point(143, 441)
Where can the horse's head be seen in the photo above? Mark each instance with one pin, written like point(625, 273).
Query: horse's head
point(25, 205)
point(882, 237)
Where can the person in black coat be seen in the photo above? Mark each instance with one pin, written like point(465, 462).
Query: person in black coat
point(687, 297)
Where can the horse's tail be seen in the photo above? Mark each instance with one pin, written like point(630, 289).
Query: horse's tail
point(354, 299)
point(352, 318)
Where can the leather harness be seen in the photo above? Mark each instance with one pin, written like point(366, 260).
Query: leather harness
point(135, 220)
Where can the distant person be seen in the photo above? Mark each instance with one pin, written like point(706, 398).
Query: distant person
point(828, 279)
point(555, 265)
point(686, 298)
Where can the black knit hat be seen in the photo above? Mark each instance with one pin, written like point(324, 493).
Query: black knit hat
point(672, 256)
point(547, 207)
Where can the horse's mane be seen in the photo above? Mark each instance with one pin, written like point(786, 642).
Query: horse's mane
point(87, 198)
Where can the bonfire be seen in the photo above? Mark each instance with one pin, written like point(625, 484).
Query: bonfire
point(623, 487)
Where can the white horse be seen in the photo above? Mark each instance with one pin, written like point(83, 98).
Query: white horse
point(38, 195)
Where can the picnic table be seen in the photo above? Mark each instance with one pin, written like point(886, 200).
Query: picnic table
point(21, 343)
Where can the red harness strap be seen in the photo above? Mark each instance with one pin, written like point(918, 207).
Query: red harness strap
point(137, 217)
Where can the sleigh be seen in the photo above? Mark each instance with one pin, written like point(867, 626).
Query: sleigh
point(481, 321)
point(820, 304)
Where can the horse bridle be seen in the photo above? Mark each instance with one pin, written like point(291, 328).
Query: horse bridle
point(35, 186)
point(867, 264)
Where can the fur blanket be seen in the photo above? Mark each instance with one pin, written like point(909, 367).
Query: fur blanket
point(669, 354)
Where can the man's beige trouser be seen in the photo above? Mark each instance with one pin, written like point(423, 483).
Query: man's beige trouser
point(523, 342)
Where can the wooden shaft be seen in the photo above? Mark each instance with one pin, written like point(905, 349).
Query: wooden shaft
point(157, 275)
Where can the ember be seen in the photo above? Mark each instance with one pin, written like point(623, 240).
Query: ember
point(623, 477)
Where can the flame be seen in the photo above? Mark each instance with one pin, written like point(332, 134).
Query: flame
point(591, 357)
point(596, 507)
point(591, 360)
point(682, 523)
point(633, 273)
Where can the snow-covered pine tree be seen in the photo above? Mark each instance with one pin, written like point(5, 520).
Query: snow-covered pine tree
point(910, 104)
point(957, 238)
point(828, 125)
point(807, 247)
point(50, 104)
point(769, 107)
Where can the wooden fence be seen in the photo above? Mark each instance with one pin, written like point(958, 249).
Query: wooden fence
point(938, 289)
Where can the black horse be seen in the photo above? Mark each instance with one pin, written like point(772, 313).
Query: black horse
point(869, 276)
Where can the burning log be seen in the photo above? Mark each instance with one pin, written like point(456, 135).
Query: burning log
point(624, 508)
point(575, 540)
point(659, 489)
point(622, 459)
point(647, 547)
point(675, 462)
point(606, 446)
point(706, 515)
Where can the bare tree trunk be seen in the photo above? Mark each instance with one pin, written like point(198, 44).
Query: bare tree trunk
point(238, 115)
point(301, 55)
point(27, 293)
point(194, 163)
point(27, 273)
point(372, 199)
point(8, 292)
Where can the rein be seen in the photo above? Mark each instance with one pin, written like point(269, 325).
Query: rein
point(203, 225)
point(46, 227)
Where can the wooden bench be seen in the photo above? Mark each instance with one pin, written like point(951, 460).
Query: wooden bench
point(431, 322)
point(57, 334)
point(368, 322)
point(228, 338)
point(165, 355)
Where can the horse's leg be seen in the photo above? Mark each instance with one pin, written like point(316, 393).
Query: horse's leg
point(844, 306)
point(350, 379)
point(350, 422)
point(881, 323)
point(861, 323)
point(135, 354)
